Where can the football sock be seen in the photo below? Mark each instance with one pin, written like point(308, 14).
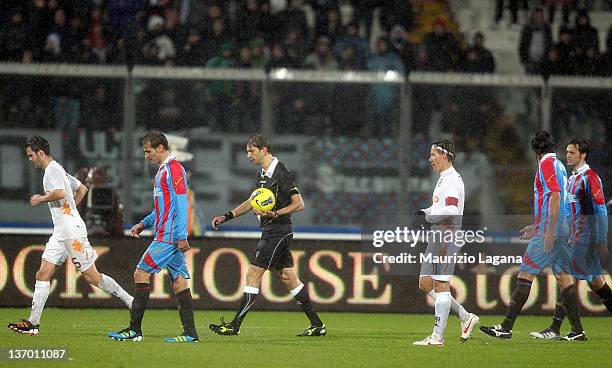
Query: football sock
point(519, 297)
point(570, 302)
point(606, 296)
point(185, 309)
point(41, 292)
point(141, 298)
point(248, 299)
point(455, 306)
point(558, 317)
point(303, 299)
point(111, 286)
point(443, 305)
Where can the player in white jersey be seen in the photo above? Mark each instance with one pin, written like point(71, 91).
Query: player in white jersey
point(444, 214)
point(62, 193)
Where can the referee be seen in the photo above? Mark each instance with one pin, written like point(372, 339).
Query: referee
point(273, 250)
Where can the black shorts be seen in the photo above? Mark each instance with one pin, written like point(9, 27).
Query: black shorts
point(274, 248)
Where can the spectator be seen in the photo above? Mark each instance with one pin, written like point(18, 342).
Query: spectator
point(246, 97)
point(590, 63)
point(513, 6)
point(396, 12)
point(16, 40)
point(330, 25)
point(351, 38)
point(100, 110)
point(364, 13)
point(400, 40)
point(442, 48)
point(566, 50)
point(159, 47)
point(40, 20)
point(193, 52)
point(585, 35)
point(553, 64)
point(216, 39)
point(477, 58)
point(322, 57)
point(251, 21)
point(536, 39)
point(292, 19)
point(383, 96)
point(278, 58)
point(258, 53)
point(220, 92)
point(297, 49)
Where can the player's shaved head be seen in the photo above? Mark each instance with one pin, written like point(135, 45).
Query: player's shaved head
point(155, 138)
point(543, 143)
point(38, 143)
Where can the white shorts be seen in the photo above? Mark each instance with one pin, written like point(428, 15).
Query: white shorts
point(444, 270)
point(77, 247)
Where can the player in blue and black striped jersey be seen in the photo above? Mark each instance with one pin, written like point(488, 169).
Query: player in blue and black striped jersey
point(588, 221)
point(548, 242)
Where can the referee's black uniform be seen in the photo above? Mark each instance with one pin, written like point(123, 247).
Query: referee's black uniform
point(273, 249)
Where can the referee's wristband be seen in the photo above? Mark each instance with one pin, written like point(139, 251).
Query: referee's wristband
point(228, 216)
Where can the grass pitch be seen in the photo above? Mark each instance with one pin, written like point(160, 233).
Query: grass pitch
point(267, 339)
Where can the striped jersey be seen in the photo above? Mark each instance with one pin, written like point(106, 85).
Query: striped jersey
point(586, 207)
point(551, 177)
point(170, 213)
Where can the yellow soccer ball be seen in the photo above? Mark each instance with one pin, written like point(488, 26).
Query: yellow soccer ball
point(262, 199)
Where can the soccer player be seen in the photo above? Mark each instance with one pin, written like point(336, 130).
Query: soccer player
point(169, 220)
point(273, 250)
point(445, 215)
point(62, 194)
point(548, 242)
point(588, 231)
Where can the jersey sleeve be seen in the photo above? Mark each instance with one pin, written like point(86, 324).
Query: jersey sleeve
point(178, 183)
point(149, 220)
point(287, 183)
point(74, 182)
point(54, 179)
point(550, 175)
point(599, 206)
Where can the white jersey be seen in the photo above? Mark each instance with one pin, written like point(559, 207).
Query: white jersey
point(447, 200)
point(66, 218)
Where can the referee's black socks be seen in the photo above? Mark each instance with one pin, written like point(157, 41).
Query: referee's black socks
point(248, 299)
point(303, 299)
point(141, 299)
point(185, 309)
point(519, 297)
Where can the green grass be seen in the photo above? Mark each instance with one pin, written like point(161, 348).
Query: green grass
point(268, 340)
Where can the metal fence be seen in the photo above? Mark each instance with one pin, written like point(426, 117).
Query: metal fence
point(357, 142)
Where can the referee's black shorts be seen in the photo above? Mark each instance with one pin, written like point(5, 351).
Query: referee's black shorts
point(273, 250)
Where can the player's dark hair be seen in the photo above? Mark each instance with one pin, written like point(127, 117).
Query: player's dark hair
point(38, 143)
point(446, 147)
point(543, 143)
point(155, 138)
point(581, 145)
point(260, 141)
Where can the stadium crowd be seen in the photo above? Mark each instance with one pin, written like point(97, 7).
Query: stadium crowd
point(414, 35)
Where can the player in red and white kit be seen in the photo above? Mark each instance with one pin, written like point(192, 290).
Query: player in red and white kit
point(445, 214)
point(62, 193)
